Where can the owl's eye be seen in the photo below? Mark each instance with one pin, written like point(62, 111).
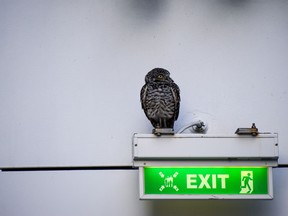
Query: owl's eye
point(160, 76)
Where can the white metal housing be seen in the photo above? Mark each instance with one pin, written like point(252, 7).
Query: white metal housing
point(205, 149)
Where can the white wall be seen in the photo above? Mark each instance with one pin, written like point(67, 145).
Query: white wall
point(107, 192)
point(71, 72)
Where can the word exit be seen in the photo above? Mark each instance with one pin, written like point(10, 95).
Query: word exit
point(199, 181)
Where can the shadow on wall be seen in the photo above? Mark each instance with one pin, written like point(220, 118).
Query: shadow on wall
point(277, 206)
point(234, 3)
point(207, 207)
point(147, 12)
point(144, 12)
point(147, 8)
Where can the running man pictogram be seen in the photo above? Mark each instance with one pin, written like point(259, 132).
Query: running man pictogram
point(246, 182)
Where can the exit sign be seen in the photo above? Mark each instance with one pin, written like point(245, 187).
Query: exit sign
point(205, 182)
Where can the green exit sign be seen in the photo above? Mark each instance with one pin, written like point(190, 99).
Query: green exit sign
point(206, 182)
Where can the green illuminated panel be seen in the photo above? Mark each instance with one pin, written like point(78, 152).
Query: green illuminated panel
point(206, 180)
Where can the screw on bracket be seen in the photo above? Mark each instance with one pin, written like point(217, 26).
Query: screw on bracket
point(248, 131)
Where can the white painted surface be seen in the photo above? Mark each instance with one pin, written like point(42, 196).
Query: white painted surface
point(71, 72)
point(88, 193)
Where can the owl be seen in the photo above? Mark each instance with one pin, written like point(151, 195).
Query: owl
point(160, 99)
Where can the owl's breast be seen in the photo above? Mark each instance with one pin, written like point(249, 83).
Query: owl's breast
point(160, 102)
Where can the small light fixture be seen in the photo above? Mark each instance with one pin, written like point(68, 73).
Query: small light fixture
point(248, 131)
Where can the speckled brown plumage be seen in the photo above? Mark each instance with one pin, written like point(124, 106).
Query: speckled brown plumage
point(160, 98)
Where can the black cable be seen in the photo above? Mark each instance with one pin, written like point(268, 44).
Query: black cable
point(30, 169)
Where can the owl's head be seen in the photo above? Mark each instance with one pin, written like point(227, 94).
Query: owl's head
point(158, 75)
